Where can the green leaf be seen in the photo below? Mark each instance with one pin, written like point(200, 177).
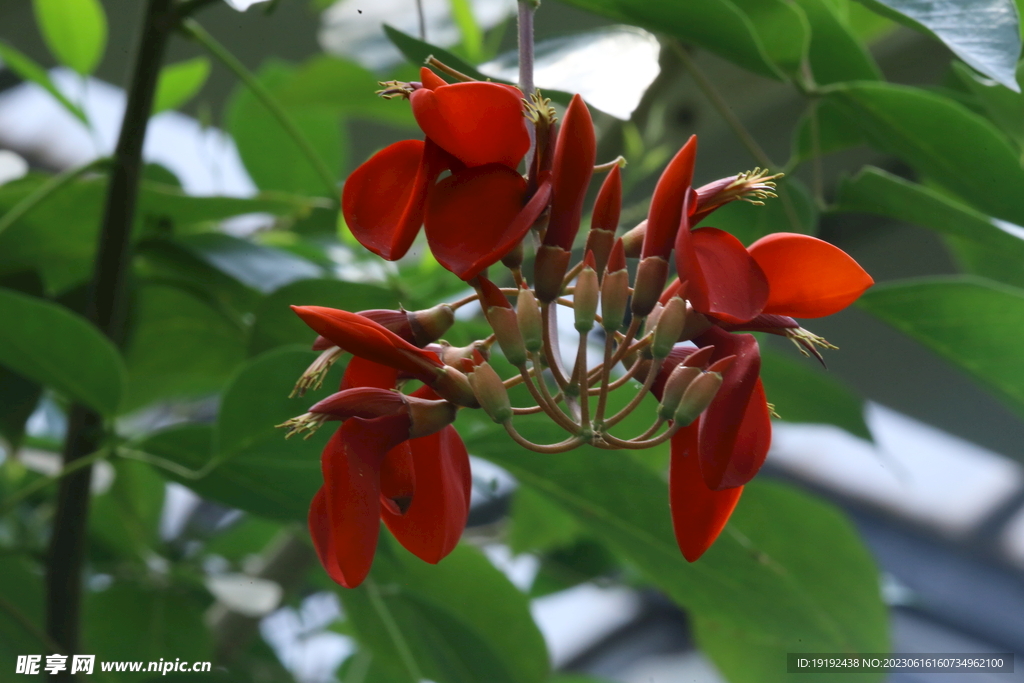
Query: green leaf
point(717, 25)
point(29, 70)
point(126, 518)
point(250, 536)
point(276, 324)
point(977, 163)
point(151, 624)
point(844, 583)
point(270, 155)
point(803, 392)
point(878, 192)
point(46, 343)
point(22, 595)
point(180, 347)
point(835, 132)
point(835, 53)
point(538, 524)
point(179, 82)
point(1004, 107)
point(768, 578)
point(74, 30)
point(966, 320)
point(783, 30)
point(792, 211)
point(461, 620)
point(983, 33)
point(262, 268)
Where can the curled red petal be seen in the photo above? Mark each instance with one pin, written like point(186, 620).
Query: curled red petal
point(383, 199)
point(666, 214)
point(363, 402)
point(491, 295)
point(436, 517)
point(364, 338)
point(365, 373)
point(698, 513)
point(430, 80)
point(351, 465)
point(477, 123)
point(735, 287)
point(730, 449)
point(808, 277)
point(474, 218)
point(397, 479)
point(575, 153)
point(323, 539)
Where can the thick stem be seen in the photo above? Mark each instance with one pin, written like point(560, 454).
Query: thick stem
point(525, 23)
point(104, 308)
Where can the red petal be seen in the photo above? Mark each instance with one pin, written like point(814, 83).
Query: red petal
point(575, 153)
point(698, 513)
point(397, 479)
point(365, 373)
point(725, 433)
point(434, 522)
point(366, 339)
point(808, 278)
point(351, 467)
point(323, 540)
point(608, 204)
point(474, 218)
point(430, 80)
point(383, 199)
point(663, 219)
point(478, 123)
point(363, 402)
point(736, 289)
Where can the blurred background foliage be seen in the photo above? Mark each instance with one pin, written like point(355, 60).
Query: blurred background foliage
point(884, 115)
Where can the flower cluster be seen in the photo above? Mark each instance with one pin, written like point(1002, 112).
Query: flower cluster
point(684, 336)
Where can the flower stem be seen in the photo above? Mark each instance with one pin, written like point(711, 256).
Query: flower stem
point(525, 24)
point(583, 379)
point(106, 299)
point(652, 374)
point(560, 447)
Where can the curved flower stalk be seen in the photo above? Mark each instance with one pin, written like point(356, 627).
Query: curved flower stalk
point(682, 336)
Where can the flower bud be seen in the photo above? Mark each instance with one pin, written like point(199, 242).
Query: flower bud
point(697, 397)
point(513, 259)
point(548, 272)
point(675, 387)
point(430, 324)
point(615, 290)
point(531, 326)
point(454, 355)
point(491, 393)
point(503, 320)
point(429, 417)
point(453, 386)
point(650, 280)
point(670, 326)
point(651, 325)
point(585, 297)
point(633, 240)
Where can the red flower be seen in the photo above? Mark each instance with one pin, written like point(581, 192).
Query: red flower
point(475, 216)
point(379, 468)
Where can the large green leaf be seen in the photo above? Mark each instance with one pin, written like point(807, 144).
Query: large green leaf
point(21, 615)
point(802, 392)
point(74, 30)
point(126, 518)
point(770, 578)
point(823, 129)
point(976, 163)
point(180, 347)
point(30, 71)
point(983, 33)
point(717, 25)
point(179, 83)
point(258, 470)
point(271, 156)
point(876, 191)
point(47, 343)
point(277, 325)
point(260, 267)
point(1004, 107)
point(969, 321)
point(835, 53)
point(461, 620)
point(150, 624)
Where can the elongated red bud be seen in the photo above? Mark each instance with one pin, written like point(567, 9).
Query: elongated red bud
point(700, 357)
point(362, 402)
point(586, 294)
point(722, 364)
point(614, 290)
point(491, 393)
point(697, 397)
point(605, 220)
point(530, 324)
point(675, 387)
point(670, 326)
point(503, 320)
point(667, 203)
point(633, 240)
point(651, 276)
point(575, 154)
point(549, 271)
